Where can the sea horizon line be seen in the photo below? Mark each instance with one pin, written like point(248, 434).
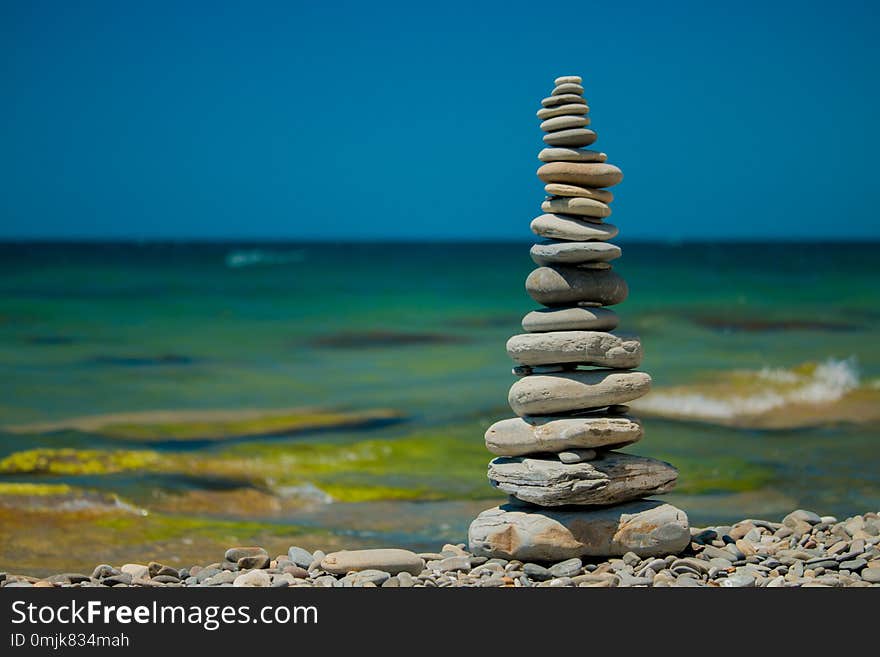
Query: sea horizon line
point(289, 240)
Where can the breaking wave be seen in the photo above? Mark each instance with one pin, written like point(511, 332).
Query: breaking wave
point(771, 389)
point(259, 257)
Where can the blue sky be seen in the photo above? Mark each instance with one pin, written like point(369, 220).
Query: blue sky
point(417, 120)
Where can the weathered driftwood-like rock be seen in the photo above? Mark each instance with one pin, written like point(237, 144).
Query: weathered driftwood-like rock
point(550, 394)
point(530, 435)
point(646, 527)
point(611, 478)
point(582, 347)
point(391, 560)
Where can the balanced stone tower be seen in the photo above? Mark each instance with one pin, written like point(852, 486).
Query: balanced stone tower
point(571, 493)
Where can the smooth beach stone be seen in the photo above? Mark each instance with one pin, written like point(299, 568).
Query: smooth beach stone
point(564, 122)
point(235, 553)
point(562, 110)
point(562, 154)
point(567, 88)
point(586, 207)
point(535, 434)
point(390, 560)
point(611, 478)
point(570, 319)
point(563, 99)
point(646, 528)
point(568, 79)
point(577, 455)
point(571, 137)
point(560, 189)
point(582, 174)
point(562, 285)
point(573, 253)
point(581, 347)
point(552, 394)
point(561, 227)
point(252, 578)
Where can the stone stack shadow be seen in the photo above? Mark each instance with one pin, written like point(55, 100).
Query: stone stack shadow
point(572, 494)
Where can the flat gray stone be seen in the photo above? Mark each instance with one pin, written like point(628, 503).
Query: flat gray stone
point(562, 110)
point(611, 478)
point(581, 347)
point(390, 560)
point(301, 557)
point(568, 79)
point(551, 394)
point(573, 253)
point(562, 285)
point(561, 227)
point(570, 319)
point(571, 137)
point(562, 154)
point(565, 122)
point(584, 207)
point(563, 99)
point(582, 174)
point(568, 88)
point(647, 528)
point(377, 577)
point(562, 189)
point(567, 568)
point(535, 434)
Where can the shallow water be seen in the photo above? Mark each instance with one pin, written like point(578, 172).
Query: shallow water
point(92, 329)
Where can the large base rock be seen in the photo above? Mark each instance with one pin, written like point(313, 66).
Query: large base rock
point(611, 478)
point(647, 528)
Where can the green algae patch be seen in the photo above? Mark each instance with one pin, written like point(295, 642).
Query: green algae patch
point(429, 466)
point(16, 489)
point(159, 527)
point(721, 475)
point(164, 426)
point(72, 462)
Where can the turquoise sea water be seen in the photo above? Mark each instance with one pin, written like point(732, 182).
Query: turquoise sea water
point(88, 329)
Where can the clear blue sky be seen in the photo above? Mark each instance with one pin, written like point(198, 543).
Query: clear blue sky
point(417, 120)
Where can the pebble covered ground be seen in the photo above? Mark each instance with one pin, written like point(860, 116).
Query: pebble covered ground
point(802, 550)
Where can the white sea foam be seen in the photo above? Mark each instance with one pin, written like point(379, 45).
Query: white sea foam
point(259, 257)
point(827, 383)
point(306, 491)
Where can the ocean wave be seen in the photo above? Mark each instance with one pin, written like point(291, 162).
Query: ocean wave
point(260, 257)
point(747, 394)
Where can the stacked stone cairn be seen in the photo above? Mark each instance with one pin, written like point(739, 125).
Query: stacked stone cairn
point(572, 494)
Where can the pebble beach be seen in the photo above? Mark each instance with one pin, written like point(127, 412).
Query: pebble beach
point(804, 550)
